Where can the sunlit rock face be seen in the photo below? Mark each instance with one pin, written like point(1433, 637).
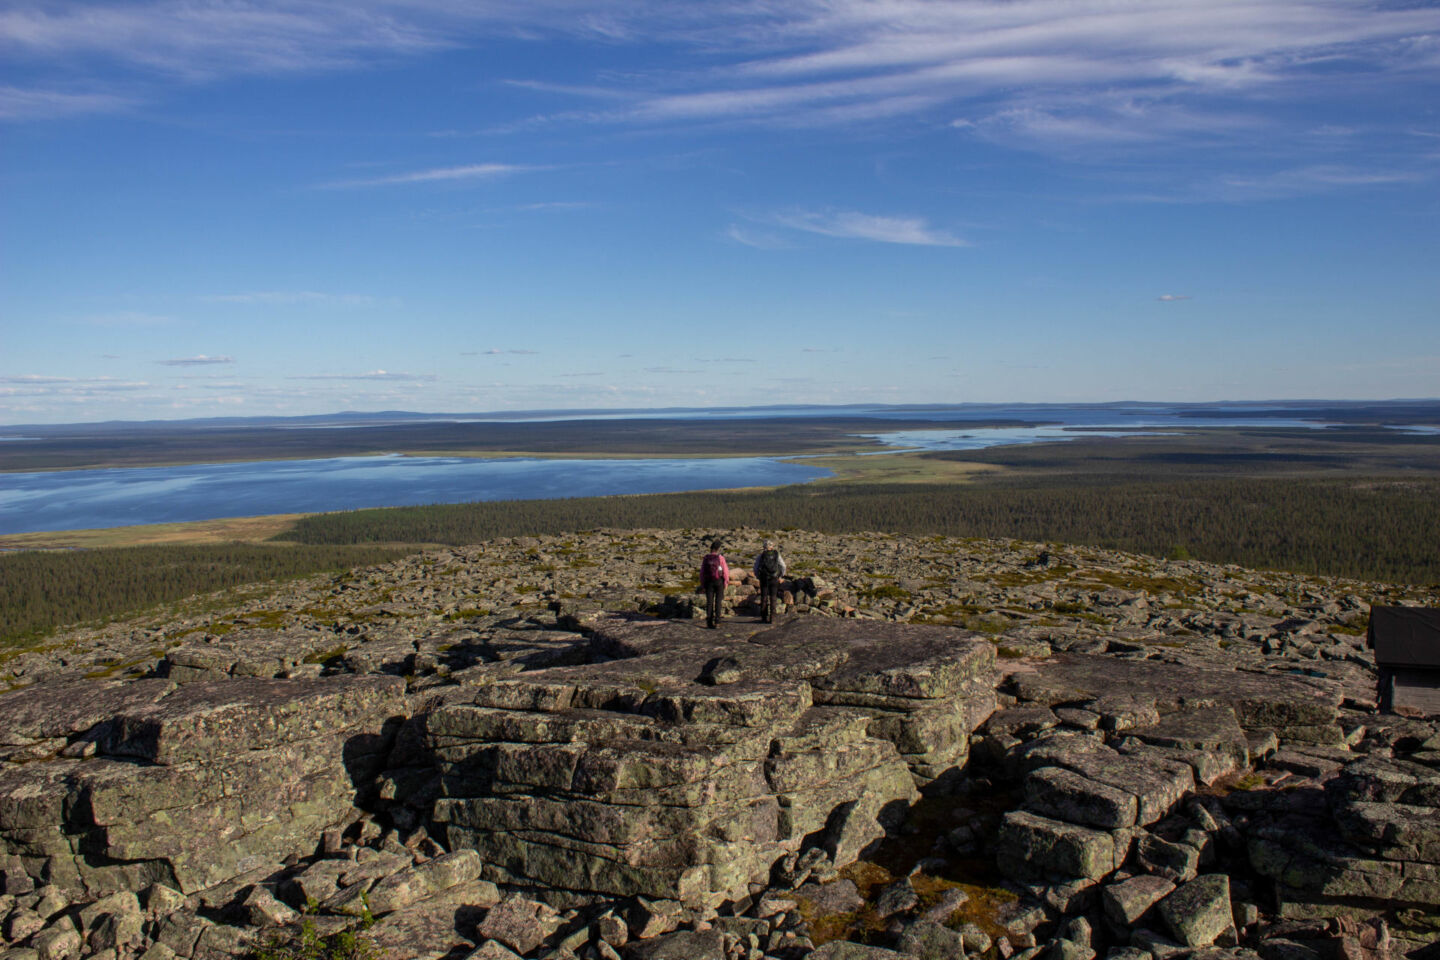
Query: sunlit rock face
point(693, 760)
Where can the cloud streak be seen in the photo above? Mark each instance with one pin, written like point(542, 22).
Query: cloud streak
point(852, 225)
point(387, 375)
point(1083, 80)
point(200, 360)
point(291, 298)
point(472, 171)
point(18, 103)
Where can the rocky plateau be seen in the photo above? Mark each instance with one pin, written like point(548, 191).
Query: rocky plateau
point(533, 748)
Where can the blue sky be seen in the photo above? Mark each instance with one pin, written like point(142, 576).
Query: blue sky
point(257, 208)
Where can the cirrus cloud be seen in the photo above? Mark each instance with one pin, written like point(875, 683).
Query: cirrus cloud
point(853, 225)
point(200, 360)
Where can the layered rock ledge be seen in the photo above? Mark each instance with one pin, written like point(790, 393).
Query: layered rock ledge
point(693, 761)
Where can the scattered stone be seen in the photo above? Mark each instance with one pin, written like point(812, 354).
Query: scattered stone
point(519, 923)
point(1174, 861)
point(263, 909)
point(684, 945)
point(1128, 901)
point(824, 899)
point(1030, 843)
point(898, 897)
point(845, 950)
point(951, 900)
point(931, 941)
point(1198, 913)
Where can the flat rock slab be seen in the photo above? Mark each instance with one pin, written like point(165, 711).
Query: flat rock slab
point(1309, 860)
point(881, 659)
point(1386, 780)
point(645, 775)
point(1029, 845)
point(1156, 784)
point(1213, 729)
point(233, 776)
point(1302, 709)
point(51, 710)
point(1065, 795)
point(200, 721)
point(429, 930)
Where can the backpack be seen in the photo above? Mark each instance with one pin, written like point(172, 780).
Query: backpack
point(712, 568)
point(770, 564)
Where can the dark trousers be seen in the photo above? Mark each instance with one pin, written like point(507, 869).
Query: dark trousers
point(714, 594)
point(769, 596)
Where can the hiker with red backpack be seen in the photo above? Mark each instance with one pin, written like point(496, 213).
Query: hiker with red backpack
point(714, 575)
point(769, 568)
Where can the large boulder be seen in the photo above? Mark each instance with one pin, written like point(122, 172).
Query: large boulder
point(643, 775)
point(197, 784)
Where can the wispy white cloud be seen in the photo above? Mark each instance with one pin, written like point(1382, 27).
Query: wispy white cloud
point(17, 103)
point(68, 383)
point(292, 297)
point(371, 375)
point(36, 379)
point(204, 39)
point(766, 62)
point(200, 360)
point(1314, 178)
point(852, 225)
point(555, 205)
point(759, 239)
point(472, 171)
point(1025, 69)
point(1172, 297)
point(1080, 79)
point(127, 318)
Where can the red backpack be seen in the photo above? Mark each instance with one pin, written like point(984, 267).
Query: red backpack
point(712, 568)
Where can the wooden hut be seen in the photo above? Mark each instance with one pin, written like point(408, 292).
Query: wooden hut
point(1406, 641)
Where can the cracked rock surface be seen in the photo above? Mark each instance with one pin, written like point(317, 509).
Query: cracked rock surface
point(531, 747)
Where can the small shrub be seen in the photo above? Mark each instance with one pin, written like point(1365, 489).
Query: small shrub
point(345, 945)
point(889, 591)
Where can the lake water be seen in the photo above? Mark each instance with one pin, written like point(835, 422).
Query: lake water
point(87, 499)
point(84, 499)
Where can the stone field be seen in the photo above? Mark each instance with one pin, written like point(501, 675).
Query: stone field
point(534, 748)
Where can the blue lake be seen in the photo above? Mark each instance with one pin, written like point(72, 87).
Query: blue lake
point(87, 499)
point(84, 499)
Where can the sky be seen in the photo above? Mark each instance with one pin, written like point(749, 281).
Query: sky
point(255, 207)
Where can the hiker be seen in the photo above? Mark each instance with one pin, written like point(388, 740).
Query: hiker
point(714, 574)
point(769, 568)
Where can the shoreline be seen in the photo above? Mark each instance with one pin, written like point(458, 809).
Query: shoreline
point(903, 466)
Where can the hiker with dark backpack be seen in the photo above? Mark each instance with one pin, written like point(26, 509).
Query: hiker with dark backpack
point(714, 575)
point(769, 568)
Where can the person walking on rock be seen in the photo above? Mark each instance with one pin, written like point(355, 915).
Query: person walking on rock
point(769, 568)
point(714, 575)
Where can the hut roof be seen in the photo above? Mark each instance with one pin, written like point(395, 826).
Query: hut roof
point(1405, 636)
